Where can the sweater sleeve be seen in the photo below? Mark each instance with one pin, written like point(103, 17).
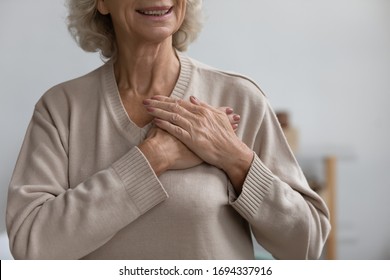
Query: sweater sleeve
point(48, 219)
point(287, 218)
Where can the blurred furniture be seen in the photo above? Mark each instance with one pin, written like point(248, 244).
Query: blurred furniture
point(320, 167)
point(320, 171)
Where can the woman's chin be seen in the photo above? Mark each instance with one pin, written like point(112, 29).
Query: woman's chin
point(157, 36)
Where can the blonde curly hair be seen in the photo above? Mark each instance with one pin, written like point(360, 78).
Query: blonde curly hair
point(94, 32)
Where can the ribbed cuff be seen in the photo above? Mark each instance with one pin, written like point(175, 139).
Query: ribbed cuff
point(256, 186)
point(140, 182)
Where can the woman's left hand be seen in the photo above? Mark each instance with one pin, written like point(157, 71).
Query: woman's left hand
point(206, 131)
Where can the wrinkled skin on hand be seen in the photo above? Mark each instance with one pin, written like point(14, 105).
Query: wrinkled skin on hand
point(173, 153)
point(206, 131)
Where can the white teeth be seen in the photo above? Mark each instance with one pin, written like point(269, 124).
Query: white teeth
point(154, 13)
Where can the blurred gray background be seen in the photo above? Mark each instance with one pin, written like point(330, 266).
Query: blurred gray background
point(326, 62)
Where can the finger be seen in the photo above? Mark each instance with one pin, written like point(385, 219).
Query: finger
point(172, 129)
point(151, 132)
point(183, 103)
point(172, 105)
point(172, 117)
point(234, 118)
point(164, 98)
point(226, 110)
point(189, 106)
point(234, 121)
point(160, 98)
point(195, 100)
point(198, 102)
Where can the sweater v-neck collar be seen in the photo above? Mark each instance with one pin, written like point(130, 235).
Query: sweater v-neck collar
point(115, 106)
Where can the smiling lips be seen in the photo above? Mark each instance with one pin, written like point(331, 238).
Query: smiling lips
point(155, 12)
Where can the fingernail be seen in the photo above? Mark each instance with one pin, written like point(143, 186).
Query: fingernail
point(229, 110)
point(194, 100)
point(236, 118)
point(150, 109)
point(146, 102)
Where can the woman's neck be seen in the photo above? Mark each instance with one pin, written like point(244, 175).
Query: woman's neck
point(147, 70)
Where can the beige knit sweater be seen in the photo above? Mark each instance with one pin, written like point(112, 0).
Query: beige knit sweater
point(81, 189)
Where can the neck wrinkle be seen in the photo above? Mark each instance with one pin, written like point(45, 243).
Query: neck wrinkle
point(147, 69)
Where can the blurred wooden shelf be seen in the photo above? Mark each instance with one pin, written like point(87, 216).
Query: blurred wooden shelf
point(327, 189)
point(325, 182)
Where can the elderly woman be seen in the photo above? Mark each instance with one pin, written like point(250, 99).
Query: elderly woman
point(133, 161)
